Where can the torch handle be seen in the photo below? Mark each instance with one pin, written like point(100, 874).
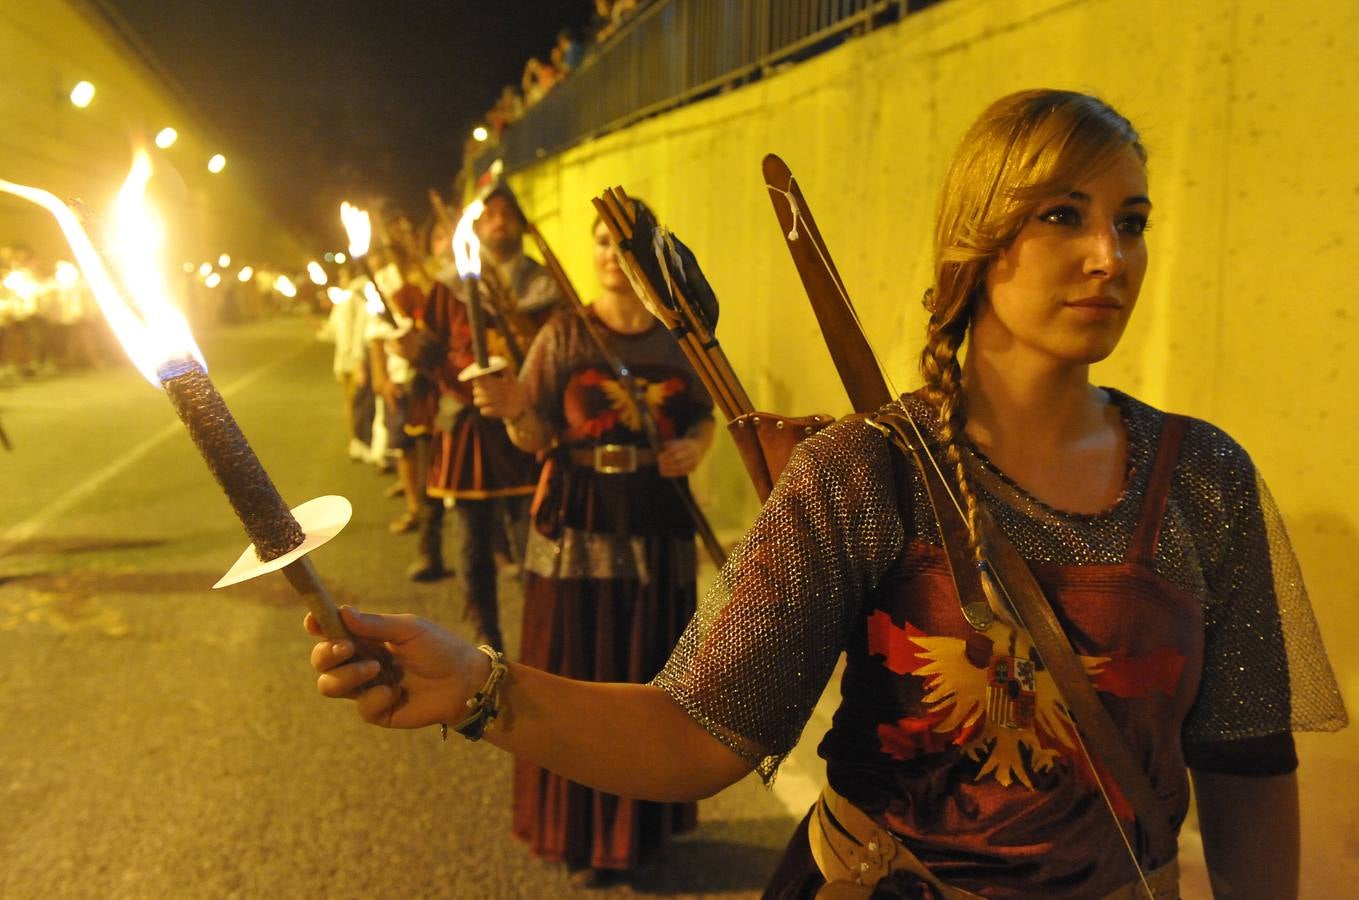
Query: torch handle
point(302, 576)
point(304, 579)
point(476, 320)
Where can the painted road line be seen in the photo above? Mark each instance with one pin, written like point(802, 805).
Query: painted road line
point(59, 506)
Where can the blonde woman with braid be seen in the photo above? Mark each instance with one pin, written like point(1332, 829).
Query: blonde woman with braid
point(953, 767)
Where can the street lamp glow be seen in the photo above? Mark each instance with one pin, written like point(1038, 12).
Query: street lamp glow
point(217, 163)
point(166, 138)
point(316, 274)
point(213, 280)
point(480, 133)
point(82, 94)
point(341, 258)
point(223, 261)
point(284, 285)
point(246, 274)
point(205, 270)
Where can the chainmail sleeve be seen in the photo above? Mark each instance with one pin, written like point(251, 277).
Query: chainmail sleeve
point(758, 652)
point(1265, 670)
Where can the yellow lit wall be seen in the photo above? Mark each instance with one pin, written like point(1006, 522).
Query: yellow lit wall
point(45, 141)
point(1246, 319)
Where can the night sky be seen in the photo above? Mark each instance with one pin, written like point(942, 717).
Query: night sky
point(318, 100)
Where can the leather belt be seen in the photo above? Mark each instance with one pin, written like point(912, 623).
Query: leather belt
point(613, 459)
point(853, 852)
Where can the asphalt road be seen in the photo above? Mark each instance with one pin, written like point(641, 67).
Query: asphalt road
point(160, 739)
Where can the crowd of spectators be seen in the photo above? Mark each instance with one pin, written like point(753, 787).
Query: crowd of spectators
point(540, 76)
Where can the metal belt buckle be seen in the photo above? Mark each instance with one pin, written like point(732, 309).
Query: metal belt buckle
point(615, 459)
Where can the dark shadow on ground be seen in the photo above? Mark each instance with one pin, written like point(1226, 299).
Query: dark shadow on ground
point(729, 856)
point(79, 544)
point(271, 589)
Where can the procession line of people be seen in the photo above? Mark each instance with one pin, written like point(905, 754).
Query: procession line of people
point(956, 763)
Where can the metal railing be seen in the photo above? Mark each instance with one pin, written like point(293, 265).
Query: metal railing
point(675, 51)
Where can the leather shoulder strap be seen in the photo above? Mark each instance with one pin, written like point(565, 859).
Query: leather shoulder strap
point(1142, 548)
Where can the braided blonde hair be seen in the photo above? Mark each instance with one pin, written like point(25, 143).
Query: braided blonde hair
point(1024, 147)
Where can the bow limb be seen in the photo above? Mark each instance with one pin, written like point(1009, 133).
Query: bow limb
point(849, 348)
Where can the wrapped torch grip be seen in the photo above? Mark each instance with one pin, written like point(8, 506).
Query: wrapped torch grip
point(267, 519)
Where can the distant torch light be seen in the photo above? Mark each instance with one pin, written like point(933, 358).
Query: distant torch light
point(188, 268)
point(480, 133)
point(317, 274)
point(245, 274)
point(67, 274)
point(372, 300)
point(205, 270)
point(82, 94)
point(284, 285)
point(224, 261)
point(217, 163)
point(166, 138)
point(19, 282)
point(337, 296)
point(213, 280)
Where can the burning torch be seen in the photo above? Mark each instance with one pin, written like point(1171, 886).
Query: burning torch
point(467, 255)
point(358, 225)
point(128, 286)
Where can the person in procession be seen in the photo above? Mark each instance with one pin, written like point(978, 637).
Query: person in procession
point(473, 462)
point(402, 388)
point(610, 565)
point(954, 766)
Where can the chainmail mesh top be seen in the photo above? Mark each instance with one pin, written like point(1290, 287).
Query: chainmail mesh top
point(758, 652)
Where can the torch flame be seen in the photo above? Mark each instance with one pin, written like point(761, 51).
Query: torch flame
point(359, 228)
point(466, 247)
point(136, 302)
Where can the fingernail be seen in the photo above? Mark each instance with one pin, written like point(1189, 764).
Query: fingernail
point(340, 648)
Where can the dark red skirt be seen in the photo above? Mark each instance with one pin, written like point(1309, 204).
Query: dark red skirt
point(600, 630)
point(477, 461)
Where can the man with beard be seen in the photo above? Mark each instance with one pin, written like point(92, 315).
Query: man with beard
point(473, 462)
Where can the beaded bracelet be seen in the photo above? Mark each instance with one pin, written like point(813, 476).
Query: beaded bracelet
point(485, 703)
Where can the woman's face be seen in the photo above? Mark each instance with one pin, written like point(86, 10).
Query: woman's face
point(1066, 285)
point(610, 273)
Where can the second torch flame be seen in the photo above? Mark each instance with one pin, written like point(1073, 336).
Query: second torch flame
point(358, 226)
point(466, 247)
